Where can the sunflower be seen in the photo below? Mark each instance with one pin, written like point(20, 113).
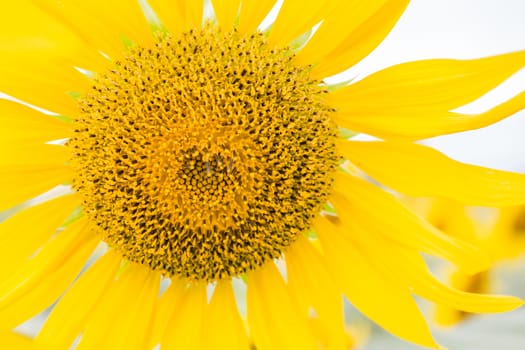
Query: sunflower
point(498, 233)
point(202, 173)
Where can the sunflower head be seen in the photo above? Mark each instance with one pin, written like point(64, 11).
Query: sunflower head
point(205, 155)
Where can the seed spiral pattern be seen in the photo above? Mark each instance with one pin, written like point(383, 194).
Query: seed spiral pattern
point(205, 155)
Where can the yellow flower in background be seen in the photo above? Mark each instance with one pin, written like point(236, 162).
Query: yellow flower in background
point(508, 232)
point(498, 232)
point(202, 152)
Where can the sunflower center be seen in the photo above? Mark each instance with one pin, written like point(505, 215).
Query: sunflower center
point(205, 155)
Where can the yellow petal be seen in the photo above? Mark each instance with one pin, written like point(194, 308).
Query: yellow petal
point(102, 24)
point(311, 285)
point(40, 281)
point(252, 14)
point(15, 341)
point(224, 328)
point(446, 315)
point(49, 259)
point(340, 25)
point(26, 231)
point(274, 320)
point(116, 317)
point(37, 33)
point(375, 294)
point(23, 124)
point(141, 320)
point(413, 100)
point(70, 315)
point(424, 171)
point(410, 126)
point(428, 287)
point(408, 267)
point(193, 12)
point(169, 13)
point(179, 15)
point(166, 306)
point(131, 322)
point(359, 201)
point(185, 327)
point(443, 83)
point(297, 17)
point(141, 317)
point(45, 86)
point(349, 33)
point(226, 12)
point(34, 153)
point(20, 183)
point(37, 59)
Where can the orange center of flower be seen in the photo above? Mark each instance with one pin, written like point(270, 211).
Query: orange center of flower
point(205, 155)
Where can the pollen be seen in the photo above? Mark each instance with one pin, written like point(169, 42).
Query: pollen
point(205, 155)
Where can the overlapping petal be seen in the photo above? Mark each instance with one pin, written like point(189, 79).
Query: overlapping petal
point(311, 285)
point(165, 306)
point(275, 321)
point(122, 318)
point(349, 33)
point(366, 203)
point(427, 172)
point(16, 248)
point(21, 183)
point(252, 14)
point(90, 22)
point(21, 124)
point(78, 304)
point(39, 281)
point(179, 15)
point(414, 100)
point(298, 16)
point(222, 310)
point(409, 267)
point(365, 285)
point(46, 55)
point(185, 330)
point(226, 12)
